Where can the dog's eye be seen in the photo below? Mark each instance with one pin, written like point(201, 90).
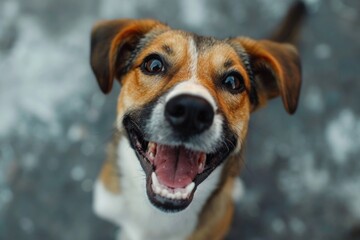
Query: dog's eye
point(153, 64)
point(234, 83)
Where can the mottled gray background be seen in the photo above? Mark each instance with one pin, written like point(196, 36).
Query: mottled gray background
point(302, 177)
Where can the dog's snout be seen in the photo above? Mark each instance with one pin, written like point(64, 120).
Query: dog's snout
point(188, 114)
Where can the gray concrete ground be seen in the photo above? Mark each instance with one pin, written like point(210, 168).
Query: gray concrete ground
point(302, 175)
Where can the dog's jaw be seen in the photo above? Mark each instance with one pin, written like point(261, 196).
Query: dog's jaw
point(133, 210)
point(130, 206)
point(154, 142)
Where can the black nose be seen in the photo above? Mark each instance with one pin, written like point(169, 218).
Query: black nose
point(188, 114)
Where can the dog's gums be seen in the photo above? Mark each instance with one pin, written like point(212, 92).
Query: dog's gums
point(172, 172)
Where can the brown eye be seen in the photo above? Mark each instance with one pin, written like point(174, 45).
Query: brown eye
point(234, 83)
point(153, 64)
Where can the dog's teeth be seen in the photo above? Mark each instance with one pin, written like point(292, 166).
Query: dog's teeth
point(155, 184)
point(178, 195)
point(190, 187)
point(201, 162)
point(154, 179)
point(156, 189)
point(151, 147)
point(164, 192)
point(201, 168)
point(151, 151)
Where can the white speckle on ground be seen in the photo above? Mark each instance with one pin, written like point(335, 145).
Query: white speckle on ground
point(27, 225)
point(77, 173)
point(343, 136)
point(278, 225)
point(314, 100)
point(323, 51)
point(76, 133)
point(297, 226)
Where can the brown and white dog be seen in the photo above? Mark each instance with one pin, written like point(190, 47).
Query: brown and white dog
point(182, 119)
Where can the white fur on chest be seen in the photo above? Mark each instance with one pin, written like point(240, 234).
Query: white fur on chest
point(134, 213)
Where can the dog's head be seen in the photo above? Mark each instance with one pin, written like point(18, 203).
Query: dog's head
point(185, 100)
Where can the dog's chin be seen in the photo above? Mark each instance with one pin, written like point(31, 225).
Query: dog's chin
point(173, 173)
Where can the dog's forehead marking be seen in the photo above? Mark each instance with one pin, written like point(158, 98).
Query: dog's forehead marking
point(194, 55)
point(192, 86)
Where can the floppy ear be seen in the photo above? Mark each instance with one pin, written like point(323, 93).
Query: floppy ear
point(277, 71)
point(113, 43)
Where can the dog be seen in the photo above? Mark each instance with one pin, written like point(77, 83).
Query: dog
point(182, 119)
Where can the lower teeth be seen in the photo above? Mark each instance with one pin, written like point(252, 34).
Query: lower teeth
point(177, 193)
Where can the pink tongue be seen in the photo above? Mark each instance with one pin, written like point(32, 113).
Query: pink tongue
point(175, 167)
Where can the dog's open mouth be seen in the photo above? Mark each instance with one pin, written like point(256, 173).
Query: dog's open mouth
point(173, 172)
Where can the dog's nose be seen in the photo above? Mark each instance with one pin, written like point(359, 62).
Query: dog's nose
point(188, 114)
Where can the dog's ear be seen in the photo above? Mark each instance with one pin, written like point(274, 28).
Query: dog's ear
point(112, 45)
point(276, 69)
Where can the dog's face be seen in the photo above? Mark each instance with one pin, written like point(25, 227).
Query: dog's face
point(186, 100)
